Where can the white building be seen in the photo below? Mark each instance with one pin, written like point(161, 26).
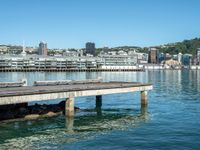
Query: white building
point(3, 49)
point(179, 56)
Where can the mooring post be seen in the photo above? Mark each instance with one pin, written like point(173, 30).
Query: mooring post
point(144, 100)
point(70, 124)
point(144, 110)
point(98, 104)
point(69, 107)
point(98, 101)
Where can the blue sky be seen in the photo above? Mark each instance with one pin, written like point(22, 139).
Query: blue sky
point(71, 23)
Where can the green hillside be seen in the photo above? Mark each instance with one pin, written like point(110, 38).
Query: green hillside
point(187, 46)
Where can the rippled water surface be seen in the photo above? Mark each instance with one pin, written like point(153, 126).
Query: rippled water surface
point(171, 121)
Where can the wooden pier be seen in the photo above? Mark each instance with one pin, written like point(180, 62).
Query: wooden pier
point(25, 94)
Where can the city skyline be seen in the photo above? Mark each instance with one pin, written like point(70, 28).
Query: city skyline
point(70, 24)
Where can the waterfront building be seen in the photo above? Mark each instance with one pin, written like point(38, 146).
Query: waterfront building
point(14, 49)
point(161, 57)
point(168, 56)
point(48, 62)
point(112, 52)
point(198, 51)
point(187, 59)
point(198, 56)
point(80, 52)
point(105, 49)
point(142, 58)
point(121, 52)
point(172, 64)
point(3, 49)
point(175, 57)
point(180, 55)
point(67, 62)
point(102, 53)
point(71, 53)
point(132, 52)
point(153, 56)
point(90, 48)
point(119, 60)
point(42, 50)
point(194, 61)
point(31, 50)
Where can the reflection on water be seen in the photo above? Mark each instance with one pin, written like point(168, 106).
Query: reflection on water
point(28, 134)
point(174, 78)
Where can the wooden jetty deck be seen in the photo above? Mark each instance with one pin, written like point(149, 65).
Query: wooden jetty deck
point(25, 94)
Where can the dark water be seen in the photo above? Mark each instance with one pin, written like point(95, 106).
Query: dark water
point(171, 121)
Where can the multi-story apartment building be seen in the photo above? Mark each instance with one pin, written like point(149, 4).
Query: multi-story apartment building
point(153, 56)
point(90, 48)
point(42, 50)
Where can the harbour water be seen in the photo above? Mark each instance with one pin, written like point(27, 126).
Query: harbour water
point(171, 121)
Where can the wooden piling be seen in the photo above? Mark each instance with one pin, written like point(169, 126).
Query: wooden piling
point(70, 124)
point(144, 99)
point(98, 101)
point(69, 107)
point(98, 105)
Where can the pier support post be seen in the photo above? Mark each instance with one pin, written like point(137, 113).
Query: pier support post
point(144, 100)
point(98, 104)
point(69, 107)
point(98, 101)
point(70, 124)
point(144, 110)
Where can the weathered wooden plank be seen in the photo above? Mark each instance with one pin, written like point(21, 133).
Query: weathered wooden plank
point(46, 83)
point(21, 83)
point(66, 82)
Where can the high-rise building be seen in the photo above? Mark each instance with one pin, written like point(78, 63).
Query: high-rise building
point(42, 50)
point(153, 56)
point(90, 48)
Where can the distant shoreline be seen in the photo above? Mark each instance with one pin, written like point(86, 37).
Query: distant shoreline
point(92, 70)
point(69, 70)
